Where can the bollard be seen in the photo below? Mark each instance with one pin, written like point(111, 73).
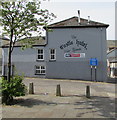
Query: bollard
point(88, 91)
point(31, 88)
point(58, 90)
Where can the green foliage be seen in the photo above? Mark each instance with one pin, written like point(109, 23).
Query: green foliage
point(20, 19)
point(14, 88)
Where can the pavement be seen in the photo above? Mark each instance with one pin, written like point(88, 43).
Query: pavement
point(72, 104)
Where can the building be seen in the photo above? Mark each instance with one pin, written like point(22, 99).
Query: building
point(23, 60)
point(111, 44)
point(112, 59)
point(3, 41)
point(66, 53)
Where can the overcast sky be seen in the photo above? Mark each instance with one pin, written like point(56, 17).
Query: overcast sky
point(102, 11)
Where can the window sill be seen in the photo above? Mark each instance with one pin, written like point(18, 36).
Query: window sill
point(40, 60)
point(40, 74)
point(52, 60)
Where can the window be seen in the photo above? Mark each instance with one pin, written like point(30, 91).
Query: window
point(52, 54)
point(40, 70)
point(40, 55)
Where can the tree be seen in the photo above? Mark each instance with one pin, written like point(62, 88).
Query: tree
point(19, 19)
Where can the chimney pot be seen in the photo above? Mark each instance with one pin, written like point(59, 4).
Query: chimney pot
point(88, 19)
point(78, 16)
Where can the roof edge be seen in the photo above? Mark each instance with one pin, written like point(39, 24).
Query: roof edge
point(21, 46)
point(98, 24)
point(81, 26)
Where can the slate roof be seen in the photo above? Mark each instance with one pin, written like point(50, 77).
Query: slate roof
point(111, 43)
point(73, 22)
point(3, 38)
point(37, 41)
point(112, 55)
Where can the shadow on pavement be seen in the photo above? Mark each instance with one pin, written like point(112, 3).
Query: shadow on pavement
point(98, 105)
point(104, 106)
point(30, 102)
point(73, 96)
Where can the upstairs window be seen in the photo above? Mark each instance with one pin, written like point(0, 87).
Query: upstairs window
point(40, 55)
point(52, 54)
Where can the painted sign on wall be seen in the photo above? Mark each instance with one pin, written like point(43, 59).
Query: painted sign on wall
point(80, 44)
point(74, 55)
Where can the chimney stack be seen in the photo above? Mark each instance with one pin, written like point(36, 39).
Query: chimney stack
point(88, 19)
point(78, 16)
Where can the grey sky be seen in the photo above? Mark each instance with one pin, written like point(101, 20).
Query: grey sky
point(116, 21)
point(98, 11)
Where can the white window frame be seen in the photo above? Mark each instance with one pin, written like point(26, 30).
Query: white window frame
point(52, 54)
point(40, 54)
point(40, 69)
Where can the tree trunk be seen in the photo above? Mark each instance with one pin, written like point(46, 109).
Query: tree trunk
point(9, 57)
point(9, 65)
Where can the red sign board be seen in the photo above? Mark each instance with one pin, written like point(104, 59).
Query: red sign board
point(74, 55)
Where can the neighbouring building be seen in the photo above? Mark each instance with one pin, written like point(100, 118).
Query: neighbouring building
point(112, 58)
point(3, 41)
point(112, 63)
point(65, 53)
point(111, 44)
point(23, 61)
